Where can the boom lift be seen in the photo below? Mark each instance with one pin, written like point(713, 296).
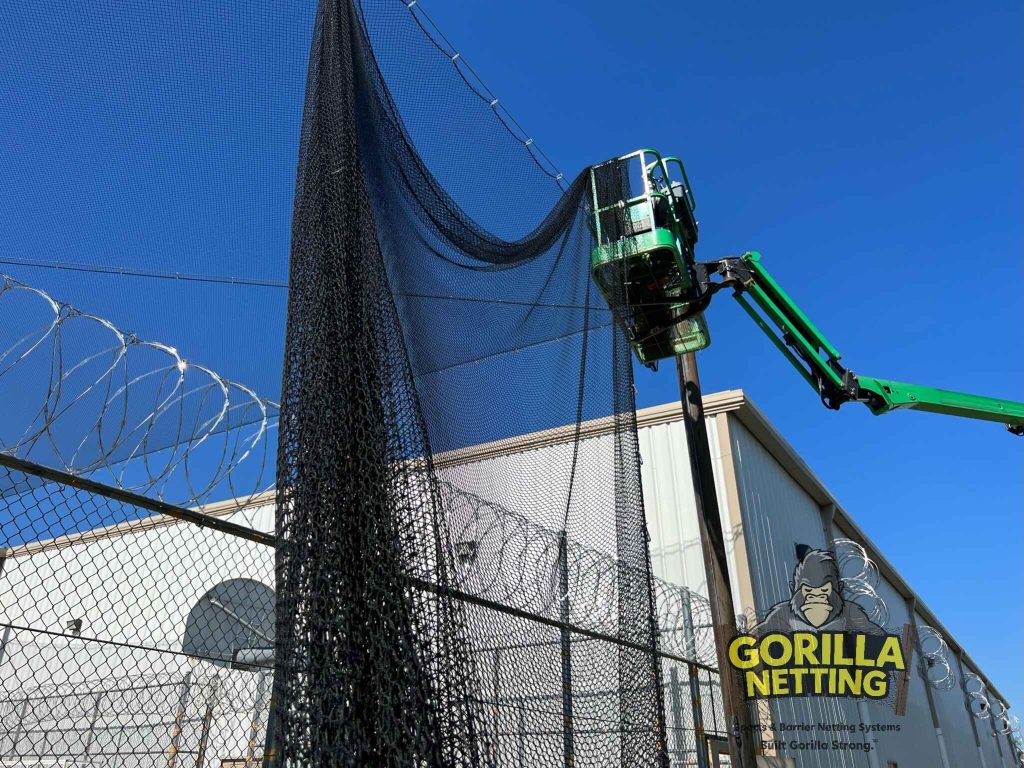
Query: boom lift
point(645, 266)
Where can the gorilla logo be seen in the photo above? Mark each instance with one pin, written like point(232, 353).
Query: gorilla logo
point(817, 603)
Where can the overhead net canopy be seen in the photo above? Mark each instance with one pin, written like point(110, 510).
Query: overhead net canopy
point(462, 570)
point(441, 315)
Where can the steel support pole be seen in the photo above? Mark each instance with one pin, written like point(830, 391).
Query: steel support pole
point(689, 636)
point(676, 741)
point(262, 688)
point(568, 727)
point(7, 627)
point(271, 759)
point(700, 741)
point(93, 719)
point(179, 720)
point(211, 707)
point(3, 644)
point(712, 539)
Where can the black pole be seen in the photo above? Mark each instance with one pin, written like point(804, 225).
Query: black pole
point(712, 538)
point(568, 736)
point(271, 759)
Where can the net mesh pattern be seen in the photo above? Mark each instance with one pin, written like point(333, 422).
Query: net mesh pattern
point(440, 308)
point(120, 631)
point(129, 638)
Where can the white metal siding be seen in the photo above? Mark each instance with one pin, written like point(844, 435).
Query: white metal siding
point(131, 589)
point(777, 514)
point(669, 504)
point(671, 511)
point(955, 720)
point(916, 744)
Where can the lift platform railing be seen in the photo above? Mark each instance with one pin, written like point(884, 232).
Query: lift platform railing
point(646, 243)
point(643, 262)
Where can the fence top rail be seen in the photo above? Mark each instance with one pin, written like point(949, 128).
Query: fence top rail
point(192, 516)
point(204, 520)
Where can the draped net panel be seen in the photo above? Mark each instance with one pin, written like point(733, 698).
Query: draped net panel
point(445, 342)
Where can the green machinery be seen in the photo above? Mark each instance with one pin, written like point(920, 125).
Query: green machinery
point(645, 266)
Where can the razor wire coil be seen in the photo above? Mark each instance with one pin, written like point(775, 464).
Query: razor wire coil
point(505, 557)
point(936, 668)
point(132, 413)
point(859, 576)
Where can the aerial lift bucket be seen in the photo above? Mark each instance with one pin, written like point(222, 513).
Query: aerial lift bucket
point(643, 263)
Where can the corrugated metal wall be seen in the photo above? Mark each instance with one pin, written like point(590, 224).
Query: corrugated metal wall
point(671, 513)
point(775, 513)
point(134, 591)
point(956, 721)
point(668, 500)
point(765, 512)
point(917, 743)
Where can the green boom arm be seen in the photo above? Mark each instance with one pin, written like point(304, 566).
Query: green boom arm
point(817, 360)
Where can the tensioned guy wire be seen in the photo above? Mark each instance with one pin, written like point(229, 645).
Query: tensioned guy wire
point(476, 84)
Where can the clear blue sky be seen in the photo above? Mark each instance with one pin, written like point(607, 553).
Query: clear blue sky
point(873, 156)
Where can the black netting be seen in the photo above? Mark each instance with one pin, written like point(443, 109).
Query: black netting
point(440, 308)
point(461, 575)
point(139, 639)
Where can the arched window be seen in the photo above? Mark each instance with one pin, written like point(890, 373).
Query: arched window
point(235, 618)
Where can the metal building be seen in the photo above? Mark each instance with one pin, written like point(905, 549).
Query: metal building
point(770, 499)
point(120, 640)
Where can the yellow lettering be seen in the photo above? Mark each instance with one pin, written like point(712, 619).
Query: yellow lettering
point(818, 673)
point(876, 683)
point(849, 682)
point(891, 653)
point(838, 658)
point(817, 664)
point(761, 682)
point(805, 649)
point(798, 680)
point(862, 660)
point(780, 685)
point(744, 644)
point(785, 654)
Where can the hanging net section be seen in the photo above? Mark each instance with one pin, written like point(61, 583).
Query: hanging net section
point(445, 342)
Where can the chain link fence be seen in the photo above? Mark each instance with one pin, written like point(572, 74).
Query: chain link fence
point(131, 637)
point(121, 630)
